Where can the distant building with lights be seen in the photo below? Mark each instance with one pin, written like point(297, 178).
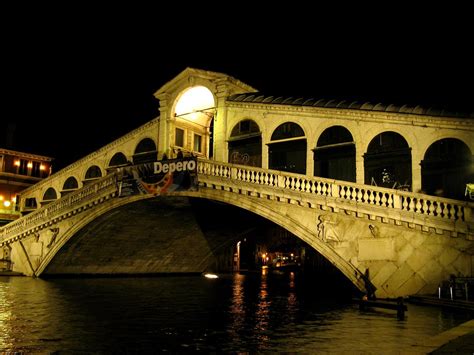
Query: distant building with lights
point(18, 170)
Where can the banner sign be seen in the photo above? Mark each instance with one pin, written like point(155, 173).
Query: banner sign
point(158, 177)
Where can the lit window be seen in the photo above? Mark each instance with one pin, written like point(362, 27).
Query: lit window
point(23, 168)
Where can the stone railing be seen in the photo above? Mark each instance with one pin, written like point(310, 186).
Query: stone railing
point(376, 201)
point(423, 206)
point(88, 193)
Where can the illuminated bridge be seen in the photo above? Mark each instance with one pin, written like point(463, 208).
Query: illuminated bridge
point(377, 190)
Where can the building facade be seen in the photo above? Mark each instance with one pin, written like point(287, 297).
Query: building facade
point(19, 170)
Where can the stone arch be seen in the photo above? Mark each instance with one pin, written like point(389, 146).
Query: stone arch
point(446, 168)
point(287, 149)
point(262, 209)
point(335, 154)
point(387, 161)
point(92, 173)
point(145, 151)
point(69, 185)
point(49, 195)
point(245, 144)
point(118, 159)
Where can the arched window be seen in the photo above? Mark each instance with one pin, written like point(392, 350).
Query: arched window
point(245, 144)
point(50, 194)
point(287, 149)
point(118, 159)
point(93, 172)
point(145, 152)
point(70, 183)
point(446, 168)
point(334, 155)
point(387, 161)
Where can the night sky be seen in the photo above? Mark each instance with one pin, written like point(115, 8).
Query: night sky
point(76, 79)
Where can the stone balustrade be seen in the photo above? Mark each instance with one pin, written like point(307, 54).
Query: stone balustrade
point(400, 207)
point(414, 209)
point(77, 199)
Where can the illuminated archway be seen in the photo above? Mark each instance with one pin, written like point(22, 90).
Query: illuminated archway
point(194, 113)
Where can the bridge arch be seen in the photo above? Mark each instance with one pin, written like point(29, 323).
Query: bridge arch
point(286, 221)
point(335, 154)
point(291, 224)
point(446, 168)
point(287, 149)
point(245, 144)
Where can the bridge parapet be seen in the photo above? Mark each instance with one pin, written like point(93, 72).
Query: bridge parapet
point(376, 203)
point(400, 207)
point(70, 204)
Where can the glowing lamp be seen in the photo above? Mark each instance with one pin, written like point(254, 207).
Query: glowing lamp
point(42, 167)
point(29, 165)
point(1, 197)
point(16, 163)
point(7, 203)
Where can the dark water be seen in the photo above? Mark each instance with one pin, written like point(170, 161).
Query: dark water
point(234, 313)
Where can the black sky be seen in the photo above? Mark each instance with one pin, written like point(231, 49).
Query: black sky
point(75, 79)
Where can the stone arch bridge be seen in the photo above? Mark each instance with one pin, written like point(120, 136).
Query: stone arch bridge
point(408, 242)
point(371, 187)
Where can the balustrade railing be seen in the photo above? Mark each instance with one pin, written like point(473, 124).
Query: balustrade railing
point(430, 206)
point(425, 205)
point(58, 207)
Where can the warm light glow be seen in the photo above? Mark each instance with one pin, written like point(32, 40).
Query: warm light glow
point(42, 167)
point(211, 276)
point(29, 165)
point(14, 199)
point(7, 203)
point(1, 197)
point(16, 163)
point(192, 101)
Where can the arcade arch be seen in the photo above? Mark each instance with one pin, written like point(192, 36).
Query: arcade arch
point(387, 161)
point(446, 168)
point(334, 155)
point(145, 151)
point(287, 149)
point(245, 144)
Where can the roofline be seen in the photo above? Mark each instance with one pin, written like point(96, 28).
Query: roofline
point(25, 155)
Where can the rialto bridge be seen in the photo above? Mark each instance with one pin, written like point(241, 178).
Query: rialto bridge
point(377, 190)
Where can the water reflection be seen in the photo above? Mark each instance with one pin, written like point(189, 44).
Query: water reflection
point(274, 312)
point(5, 317)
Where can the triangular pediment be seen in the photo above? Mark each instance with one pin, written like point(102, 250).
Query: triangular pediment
point(192, 76)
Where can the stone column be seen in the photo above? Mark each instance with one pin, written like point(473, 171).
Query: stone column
point(166, 127)
point(416, 170)
point(220, 124)
point(360, 171)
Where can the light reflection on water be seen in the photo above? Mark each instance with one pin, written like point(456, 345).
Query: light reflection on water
point(268, 312)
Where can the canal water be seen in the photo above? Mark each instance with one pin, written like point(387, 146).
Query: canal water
point(254, 312)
